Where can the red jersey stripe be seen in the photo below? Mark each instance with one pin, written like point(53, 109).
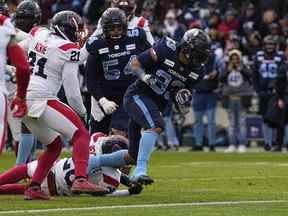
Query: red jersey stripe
point(2, 19)
point(68, 46)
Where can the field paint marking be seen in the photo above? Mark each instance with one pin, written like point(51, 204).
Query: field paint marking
point(160, 205)
point(223, 178)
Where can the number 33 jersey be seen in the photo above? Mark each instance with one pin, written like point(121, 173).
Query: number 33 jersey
point(48, 53)
point(168, 73)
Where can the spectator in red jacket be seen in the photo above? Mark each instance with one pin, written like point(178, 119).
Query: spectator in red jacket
point(229, 23)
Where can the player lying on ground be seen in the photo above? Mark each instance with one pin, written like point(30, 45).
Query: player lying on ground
point(60, 178)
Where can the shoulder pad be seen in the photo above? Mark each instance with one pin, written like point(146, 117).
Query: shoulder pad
point(34, 30)
point(7, 27)
point(133, 32)
point(69, 46)
point(71, 52)
point(2, 19)
point(92, 44)
point(141, 22)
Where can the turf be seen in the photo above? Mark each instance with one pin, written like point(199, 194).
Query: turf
point(185, 177)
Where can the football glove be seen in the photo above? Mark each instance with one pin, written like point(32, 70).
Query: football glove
point(183, 97)
point(108, 106)
point(149, 79)
point(18, 107)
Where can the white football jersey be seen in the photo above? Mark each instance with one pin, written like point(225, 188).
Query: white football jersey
point(64, 172)
point(47, 55)
point(7, 30)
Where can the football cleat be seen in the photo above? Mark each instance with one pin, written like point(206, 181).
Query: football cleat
point(141, 180)
point(35, 193)
point(82, 185)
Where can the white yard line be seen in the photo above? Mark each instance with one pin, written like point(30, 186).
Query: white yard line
point(160, 205)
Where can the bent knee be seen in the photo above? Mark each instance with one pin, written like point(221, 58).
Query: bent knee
point(129, 159)
point(156, 130)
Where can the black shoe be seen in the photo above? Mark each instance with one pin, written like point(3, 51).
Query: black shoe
point(197, 148)
point(277, 148)
point(212, 148)
point(267, 147)
point(142, 180)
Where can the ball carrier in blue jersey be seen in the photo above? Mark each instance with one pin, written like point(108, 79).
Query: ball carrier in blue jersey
point(167, 70)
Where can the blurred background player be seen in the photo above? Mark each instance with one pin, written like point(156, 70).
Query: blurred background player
point(54, 59)
point(108, 75)
point(129, 7)
point(17, 57)
point(265, 71)
point(167, 70)
point(27, 16)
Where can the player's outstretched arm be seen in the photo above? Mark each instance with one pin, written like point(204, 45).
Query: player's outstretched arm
point(18, 58)
point(72, 88)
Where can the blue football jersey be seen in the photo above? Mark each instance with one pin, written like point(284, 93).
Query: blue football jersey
point(170, 74)
point(108, 74)
point(266, 70)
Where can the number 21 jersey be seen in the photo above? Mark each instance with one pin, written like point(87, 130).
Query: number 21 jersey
point(47, 55)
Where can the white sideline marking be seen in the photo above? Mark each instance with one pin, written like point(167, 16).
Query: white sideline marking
point(160, 205)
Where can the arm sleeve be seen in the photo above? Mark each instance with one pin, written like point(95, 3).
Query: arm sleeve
point(146, 60)
point(98, 30)
point(72, 88)
point(18, 58)
point(83, 54)
point(94, 77)
point(149, 36)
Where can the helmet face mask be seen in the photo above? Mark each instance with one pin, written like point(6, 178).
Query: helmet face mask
point(68, 25)
point(269, 44)
point(194, 48)
point(115, 31)
point(114, 24)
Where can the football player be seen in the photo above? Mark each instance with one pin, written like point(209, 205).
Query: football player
point(60, 178)
point(167, 70)
point(54, 57)
point(27, 16)
point(17, 57)
point(108, 74)
point(265, 71)
point(129, 7)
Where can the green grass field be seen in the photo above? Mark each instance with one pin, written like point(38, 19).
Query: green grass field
point(186, 184)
